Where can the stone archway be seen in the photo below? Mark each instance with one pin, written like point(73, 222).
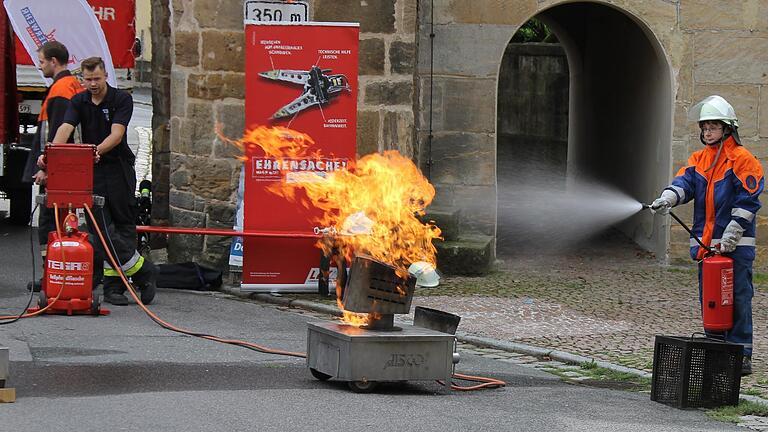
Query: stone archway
point(619, 110)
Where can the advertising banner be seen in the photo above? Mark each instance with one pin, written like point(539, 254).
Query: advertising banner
point(302, 76)
point(70, 22)
point(117, 19)
point(262, 11)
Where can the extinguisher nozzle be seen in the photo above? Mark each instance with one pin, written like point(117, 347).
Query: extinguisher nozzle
point(646, 206)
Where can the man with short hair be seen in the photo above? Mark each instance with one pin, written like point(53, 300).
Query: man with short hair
point(53, 58)
point(103, 112)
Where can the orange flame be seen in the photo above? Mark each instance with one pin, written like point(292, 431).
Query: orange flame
point(373, 205)
point(277, 142)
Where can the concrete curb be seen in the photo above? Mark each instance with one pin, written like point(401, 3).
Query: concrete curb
point(514, 347)
point(534, 351)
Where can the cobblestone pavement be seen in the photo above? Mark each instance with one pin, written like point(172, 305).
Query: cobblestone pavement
point(754, 423)
point(607, 303)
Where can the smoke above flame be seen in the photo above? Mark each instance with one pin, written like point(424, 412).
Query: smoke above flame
point(373, 205)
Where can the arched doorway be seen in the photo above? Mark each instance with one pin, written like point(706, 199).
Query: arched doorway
point(619, 120)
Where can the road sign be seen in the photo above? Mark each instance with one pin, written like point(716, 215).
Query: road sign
point(276, 11)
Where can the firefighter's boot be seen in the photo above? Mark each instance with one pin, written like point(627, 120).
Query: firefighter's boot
point(144, 281)
point(746, 366)
point(113, 291)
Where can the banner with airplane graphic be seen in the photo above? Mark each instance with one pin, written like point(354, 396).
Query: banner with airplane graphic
point(303, 76)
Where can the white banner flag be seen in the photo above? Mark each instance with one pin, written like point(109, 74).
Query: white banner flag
point(70, 22)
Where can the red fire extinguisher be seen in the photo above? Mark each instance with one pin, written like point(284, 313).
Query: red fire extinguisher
point(716, 287)
point(717, 293)
point(69, 272)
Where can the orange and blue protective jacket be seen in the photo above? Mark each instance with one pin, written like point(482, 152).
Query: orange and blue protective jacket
point(725, 190)
point(65, 85)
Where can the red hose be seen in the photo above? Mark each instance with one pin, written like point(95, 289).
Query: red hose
point(161, 322)
point(224, 232)
point(484, 382)
point(63, 283)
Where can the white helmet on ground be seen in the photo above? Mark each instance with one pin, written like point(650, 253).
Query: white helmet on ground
point(425, 274)
point(714, 108)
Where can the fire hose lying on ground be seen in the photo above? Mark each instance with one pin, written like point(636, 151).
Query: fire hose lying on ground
point(74, 280)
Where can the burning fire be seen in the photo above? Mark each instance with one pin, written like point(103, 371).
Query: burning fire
point(373, 205)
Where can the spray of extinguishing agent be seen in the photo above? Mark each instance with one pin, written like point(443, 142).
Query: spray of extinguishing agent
point(716, 285)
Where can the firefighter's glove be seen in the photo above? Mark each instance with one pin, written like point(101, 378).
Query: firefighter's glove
point(666, 201)
point(731, 237)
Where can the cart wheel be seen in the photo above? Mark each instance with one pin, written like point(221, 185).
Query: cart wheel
point(96, 305)
point(42, 300)
point(319, 375)
point(362, 386)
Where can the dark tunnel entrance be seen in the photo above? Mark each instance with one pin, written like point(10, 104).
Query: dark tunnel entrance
point(594, 109)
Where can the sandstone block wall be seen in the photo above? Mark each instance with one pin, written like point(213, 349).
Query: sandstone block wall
point(207, 86)
point(710, 47)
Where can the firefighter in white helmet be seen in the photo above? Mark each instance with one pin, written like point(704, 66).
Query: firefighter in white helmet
point(725, 181)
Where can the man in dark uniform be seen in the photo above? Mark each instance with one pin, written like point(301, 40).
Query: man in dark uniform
point(103, 112)
point(53, 58)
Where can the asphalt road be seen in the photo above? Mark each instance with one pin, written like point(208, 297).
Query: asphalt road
point(124, 373)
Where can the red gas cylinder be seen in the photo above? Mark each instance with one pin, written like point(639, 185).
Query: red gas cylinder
point(69, 268)
point(717, 293)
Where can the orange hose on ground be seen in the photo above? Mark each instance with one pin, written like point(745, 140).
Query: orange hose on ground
point(64, 259)
point(485, 382)
point(167, 325)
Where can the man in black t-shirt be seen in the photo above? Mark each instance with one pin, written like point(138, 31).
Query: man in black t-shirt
point(103, 112)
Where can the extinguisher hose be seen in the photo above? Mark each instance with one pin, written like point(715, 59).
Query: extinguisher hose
point(698, 240)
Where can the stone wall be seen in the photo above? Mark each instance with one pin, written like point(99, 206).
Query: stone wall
point(723, 49)
point(705, 47)
point(709, 47)
point(207, 87)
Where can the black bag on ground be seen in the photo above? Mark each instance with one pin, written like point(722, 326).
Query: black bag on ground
point(188, 275)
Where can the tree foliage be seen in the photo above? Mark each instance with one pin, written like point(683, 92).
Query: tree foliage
point(534, 31)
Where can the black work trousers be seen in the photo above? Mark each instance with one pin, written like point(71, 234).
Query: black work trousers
point(116, 182)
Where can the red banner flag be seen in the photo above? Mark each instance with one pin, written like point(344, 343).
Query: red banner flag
point(304, 77)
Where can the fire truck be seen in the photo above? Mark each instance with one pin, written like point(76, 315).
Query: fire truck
point(25, 91)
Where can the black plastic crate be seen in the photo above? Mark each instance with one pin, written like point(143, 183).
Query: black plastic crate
point(696, 372)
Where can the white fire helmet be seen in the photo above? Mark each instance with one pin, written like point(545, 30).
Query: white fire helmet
point(426, 275)
point(714, 108)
